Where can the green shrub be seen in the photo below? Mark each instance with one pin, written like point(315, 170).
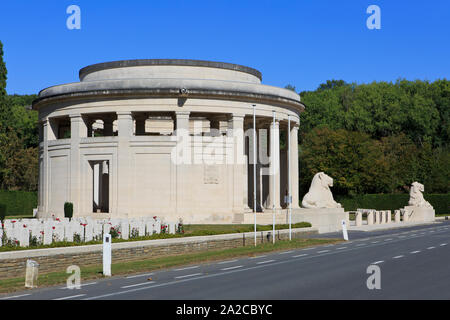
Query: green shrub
point(440, 202)
point(2, 212)
point(18, 202)
point(68, 210)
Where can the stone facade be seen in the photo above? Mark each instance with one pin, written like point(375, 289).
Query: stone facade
point(171, 138)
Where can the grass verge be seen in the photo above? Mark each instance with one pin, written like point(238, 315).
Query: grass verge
point(95, 272)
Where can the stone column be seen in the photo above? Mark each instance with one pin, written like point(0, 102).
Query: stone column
point(294, 166)
point(183, 155)
point(236, 133)
point(44, 186)
point(124, 169)
point(274, 179)
point(78, 130)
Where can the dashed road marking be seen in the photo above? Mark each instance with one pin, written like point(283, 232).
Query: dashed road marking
point(429, 248)
point(443, 244)
point(286, 252)
point(70, 297)
point(82, 285)
point(378, 262)
point(137, 284)
point(139, 275)
point(300, 255)
point(398, 257)
point(228, 261)
point(258, 257)
point(188, 275)
point(18, 296)
point(187, 268)
point(323, 251)
point(340, 248)
point(231, 268)
point(267, 261)
point(413, 252)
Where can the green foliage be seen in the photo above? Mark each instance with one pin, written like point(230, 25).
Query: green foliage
point(68, 210)
point(2, 211)
point(419, 109)
point(18, 202)
point(440, 202)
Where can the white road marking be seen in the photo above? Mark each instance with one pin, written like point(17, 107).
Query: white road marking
point(375, 241)
point(18, 296)
point(323, 251)
point(388, 239)
point(70, 297)
point(139, 275)
point(417, 251)
point(82, 285)
point(187, 268)
point(231, 268)
point(378, 262)
point(443, 244)
point(432, 231)
point(188, 275)
point(429, 248)
point(361, 244)
point(266, 261)
point(258, 257)
point(228, 261)
point(340, 248)
point(398, 257)
point(401, 236)
point(137, 284)
point(286, 252)
point(300, 255)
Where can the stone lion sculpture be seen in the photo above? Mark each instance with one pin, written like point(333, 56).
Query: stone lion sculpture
point(319, 194)
point(416, 197)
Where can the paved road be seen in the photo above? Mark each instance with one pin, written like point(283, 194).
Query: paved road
point(414, 264)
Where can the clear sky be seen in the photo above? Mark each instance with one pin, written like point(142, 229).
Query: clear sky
point(298, 42)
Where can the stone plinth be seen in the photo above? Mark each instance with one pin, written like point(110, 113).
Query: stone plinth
point(419, 214)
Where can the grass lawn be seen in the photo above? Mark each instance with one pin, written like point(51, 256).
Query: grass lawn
point(95, 272)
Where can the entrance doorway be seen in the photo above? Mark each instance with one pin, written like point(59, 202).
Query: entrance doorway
point(100, 182)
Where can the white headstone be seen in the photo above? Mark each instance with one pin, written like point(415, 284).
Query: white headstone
point(125, 229)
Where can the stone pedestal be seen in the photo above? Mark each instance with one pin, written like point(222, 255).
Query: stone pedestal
point(419, 214)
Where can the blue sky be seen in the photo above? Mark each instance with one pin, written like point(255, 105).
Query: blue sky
point(303, 43)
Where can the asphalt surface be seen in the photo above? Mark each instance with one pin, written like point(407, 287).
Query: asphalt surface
point(414, 263)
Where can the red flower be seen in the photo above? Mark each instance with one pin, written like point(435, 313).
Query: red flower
point(154, 217)
point(53, 228)
point(24, 225)
point(13, 221)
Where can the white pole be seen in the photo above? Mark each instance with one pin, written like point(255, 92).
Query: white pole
point(107, 255)
point(254, 166)
point(289, 177)
point(273, 176)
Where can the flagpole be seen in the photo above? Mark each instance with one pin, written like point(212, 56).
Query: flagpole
point(273, 175)
point(289, 177)
point(254, 167)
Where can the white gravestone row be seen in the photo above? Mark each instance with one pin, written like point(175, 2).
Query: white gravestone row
point(47, 231)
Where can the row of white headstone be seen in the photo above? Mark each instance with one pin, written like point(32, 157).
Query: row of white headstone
point(46, 231)
point(379, 217)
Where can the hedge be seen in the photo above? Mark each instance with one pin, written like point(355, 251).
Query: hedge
point(18, 202)
point(440, 202)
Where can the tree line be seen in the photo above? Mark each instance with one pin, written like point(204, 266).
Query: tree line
point(377, 137)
